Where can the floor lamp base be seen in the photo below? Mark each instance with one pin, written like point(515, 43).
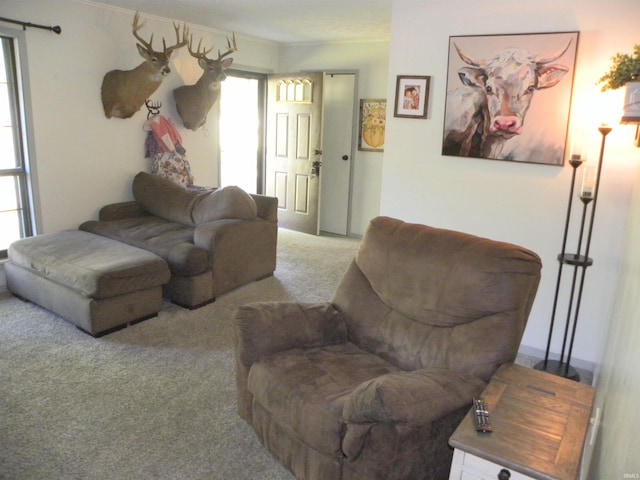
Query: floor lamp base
point(556, 367)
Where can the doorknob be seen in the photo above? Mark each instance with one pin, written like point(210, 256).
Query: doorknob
point(315, 168)
point(345, 157)
point(504, 474)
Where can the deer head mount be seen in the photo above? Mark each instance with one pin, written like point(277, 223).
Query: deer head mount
point(193, 102)
point(125, 91)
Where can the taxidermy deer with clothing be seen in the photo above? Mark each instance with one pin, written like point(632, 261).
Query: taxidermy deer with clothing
point(125, 91)
point(193, 102)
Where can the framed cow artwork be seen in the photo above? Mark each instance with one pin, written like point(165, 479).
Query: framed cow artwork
point(509, 96)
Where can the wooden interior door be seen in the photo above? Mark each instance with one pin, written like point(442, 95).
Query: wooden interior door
point(293, 149)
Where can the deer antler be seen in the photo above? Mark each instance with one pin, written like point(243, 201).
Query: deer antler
point(197, 53)
point(179, 43)
point(152, 105)
point(148, 45)
point(231, 46)
point(136, 27)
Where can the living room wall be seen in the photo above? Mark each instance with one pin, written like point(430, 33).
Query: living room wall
point(98, 156)
point(517, 202)
point(82, 159)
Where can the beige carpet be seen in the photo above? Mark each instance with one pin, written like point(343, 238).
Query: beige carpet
point(153, 401)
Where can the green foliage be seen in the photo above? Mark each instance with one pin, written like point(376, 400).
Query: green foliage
point(624, 68)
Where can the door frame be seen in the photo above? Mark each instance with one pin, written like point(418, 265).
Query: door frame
point(262, 111)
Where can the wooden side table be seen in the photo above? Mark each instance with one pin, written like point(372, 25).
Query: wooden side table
point(539, 421)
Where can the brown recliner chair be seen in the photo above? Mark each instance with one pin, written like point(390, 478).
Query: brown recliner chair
point(372, 385)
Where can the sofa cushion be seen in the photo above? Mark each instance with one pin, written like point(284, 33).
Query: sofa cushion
point(228, 202)
point(164, 198)
point(91, 264)
point(171, 241)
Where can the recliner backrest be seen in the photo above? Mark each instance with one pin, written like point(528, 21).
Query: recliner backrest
point(423, 297)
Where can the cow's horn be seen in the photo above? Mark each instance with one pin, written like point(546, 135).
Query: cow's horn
point(541, 60)
point(465, 58)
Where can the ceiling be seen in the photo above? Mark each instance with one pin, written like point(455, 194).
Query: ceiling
point(281, 21)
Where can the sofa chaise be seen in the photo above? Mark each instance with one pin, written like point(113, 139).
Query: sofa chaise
point(212, 241)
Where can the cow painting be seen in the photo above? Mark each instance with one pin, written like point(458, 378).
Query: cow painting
point(485, 115)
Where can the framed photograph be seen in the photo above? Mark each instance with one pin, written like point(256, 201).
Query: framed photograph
point(412, 96)
point(509, 96)
point(373, 118)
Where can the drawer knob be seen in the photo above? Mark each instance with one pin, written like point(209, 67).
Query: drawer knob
point(504, 474)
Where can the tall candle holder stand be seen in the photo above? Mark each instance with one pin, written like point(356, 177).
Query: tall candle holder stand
point(589, 197)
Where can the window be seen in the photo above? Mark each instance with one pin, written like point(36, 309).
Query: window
point(241, 130)
point(16, 219)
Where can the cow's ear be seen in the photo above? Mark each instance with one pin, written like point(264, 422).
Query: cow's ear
point(550, 75)
point(472, 77)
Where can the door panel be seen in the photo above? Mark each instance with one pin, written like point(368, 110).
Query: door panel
point(303, 186)
point(337, 151)
point(294, 126)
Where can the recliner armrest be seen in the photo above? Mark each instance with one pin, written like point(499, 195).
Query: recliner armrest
point(415, 398)
point(265, 328)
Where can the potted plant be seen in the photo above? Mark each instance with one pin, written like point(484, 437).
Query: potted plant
point(625, 72)
point(625, 68)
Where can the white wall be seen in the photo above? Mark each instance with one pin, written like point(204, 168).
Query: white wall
point(618, 387)
point(83, 159)
point(520, 203)
point(371, 61)
point(80, 154)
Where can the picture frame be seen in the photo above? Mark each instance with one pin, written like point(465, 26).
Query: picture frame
point(488, 96)
point(372, 123)
point(412, 96)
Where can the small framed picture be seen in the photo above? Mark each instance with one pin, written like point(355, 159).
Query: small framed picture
point(373, 113)
point(412, 96)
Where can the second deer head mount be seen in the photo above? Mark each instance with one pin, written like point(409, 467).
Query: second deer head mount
point(125, 91)
point(193, 102)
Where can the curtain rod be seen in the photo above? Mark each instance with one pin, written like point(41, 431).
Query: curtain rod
point(55, 29)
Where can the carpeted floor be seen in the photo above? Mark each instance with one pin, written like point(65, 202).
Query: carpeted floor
point(152, 401)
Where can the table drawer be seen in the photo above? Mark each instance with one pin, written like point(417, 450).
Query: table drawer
point(469, 467)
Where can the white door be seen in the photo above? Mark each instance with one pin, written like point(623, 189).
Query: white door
point(293, 149)
point(337, 151)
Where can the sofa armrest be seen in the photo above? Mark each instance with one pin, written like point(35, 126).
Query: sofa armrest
point(205, 234)
point(410, 398)
point(267, 207)
point(118, 211)
point(266, 328)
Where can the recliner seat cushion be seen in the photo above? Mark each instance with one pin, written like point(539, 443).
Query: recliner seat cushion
point(293, 383)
